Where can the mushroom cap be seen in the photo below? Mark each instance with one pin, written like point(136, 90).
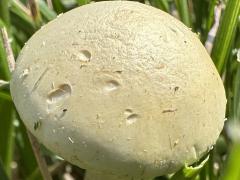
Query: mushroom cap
point(120, 87)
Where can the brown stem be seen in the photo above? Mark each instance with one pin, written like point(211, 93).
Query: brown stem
point(35, 12)
point(40, 160)
point(34, 8)
point(7, 46)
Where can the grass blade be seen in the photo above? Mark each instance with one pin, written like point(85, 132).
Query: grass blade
point(200, 9)
point(5, 96)
point(6, 134)
point(4, 90)
point(189, 172)
point(82, 2)
point(183, 10)
point(7, 115)
point(3, 174)
point(225, 34)
point(161, 4)
point(58, 6)
point(4, 13)
point(236, 81)
point(232, 170)
point(46, 12)
point(26, 156)
point(21, 19)
point(35, 145)
point(236, 104)
point(210, 18)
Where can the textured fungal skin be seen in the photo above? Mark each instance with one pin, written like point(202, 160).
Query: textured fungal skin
point(120, 87)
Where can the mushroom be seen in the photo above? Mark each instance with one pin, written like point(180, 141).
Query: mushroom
point(121, 89)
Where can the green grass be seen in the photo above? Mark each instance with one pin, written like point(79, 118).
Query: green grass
point(22, 23)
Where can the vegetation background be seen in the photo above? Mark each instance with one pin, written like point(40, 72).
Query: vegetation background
point(216, 22)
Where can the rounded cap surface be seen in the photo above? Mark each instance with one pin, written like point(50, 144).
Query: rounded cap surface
point(120, 87)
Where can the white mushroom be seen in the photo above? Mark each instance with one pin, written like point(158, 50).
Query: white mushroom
point(120, 88)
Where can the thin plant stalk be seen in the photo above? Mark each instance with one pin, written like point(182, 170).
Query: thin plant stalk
point(35, 12)
point(7, 46)
point(35, 145)
point(7, 113)
point(226, 33)
point(41, 162)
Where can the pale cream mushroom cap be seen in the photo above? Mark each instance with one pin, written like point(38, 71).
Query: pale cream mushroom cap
point(120, 87)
